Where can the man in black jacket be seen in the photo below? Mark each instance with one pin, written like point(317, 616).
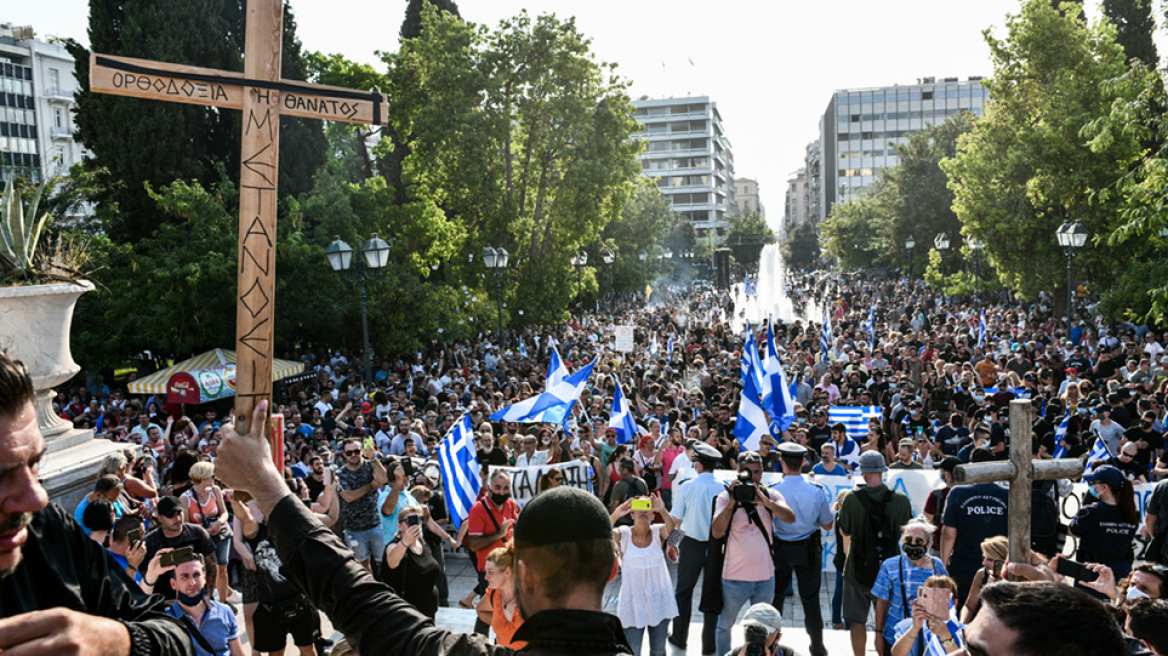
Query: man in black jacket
point(58, 593)
point(563, 552)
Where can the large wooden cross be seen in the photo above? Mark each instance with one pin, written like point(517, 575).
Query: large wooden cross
point(1019, 470)
point(263, 97)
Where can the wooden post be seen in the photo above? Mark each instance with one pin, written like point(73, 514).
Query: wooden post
point(1020, 471)
point(259, 173)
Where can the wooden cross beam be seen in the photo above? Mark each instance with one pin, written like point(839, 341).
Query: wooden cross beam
point(1020, 471)
point(263, 97)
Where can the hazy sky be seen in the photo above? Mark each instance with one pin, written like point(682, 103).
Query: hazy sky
point(770, 65)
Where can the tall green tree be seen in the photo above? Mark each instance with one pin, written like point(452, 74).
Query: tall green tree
point(801, 247)
point(520, 134)
point(1026, 167)
point(645, 222)
point(1133, 28)
point(746, 237)
point(138, 143)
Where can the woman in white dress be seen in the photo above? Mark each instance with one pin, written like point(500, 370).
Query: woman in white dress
point(646, 594)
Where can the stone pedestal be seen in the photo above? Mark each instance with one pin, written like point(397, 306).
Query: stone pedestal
point(34, 328)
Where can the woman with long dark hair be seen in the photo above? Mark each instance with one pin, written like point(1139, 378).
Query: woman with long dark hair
point(1105, 528)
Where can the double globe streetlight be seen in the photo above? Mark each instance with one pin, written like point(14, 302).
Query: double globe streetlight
point(340, 257)
point(1072, 237)
point(496, 260)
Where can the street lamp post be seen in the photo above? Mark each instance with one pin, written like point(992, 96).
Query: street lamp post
point(340, 259)
point(908, 246)
point(579, 260)
point(496, 260)
point(941, 243)
point(976, 245)
point(642, 256)
point(1072, 237)
point(609, 257)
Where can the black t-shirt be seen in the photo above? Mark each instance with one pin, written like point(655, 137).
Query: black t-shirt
point(192, 536)
point(1154, 439)
point(951, 439)
point(1104, 537)
point(818, 435)
point(1132, 469)
point(977, 512)
point(272, 587)
point(314, 486)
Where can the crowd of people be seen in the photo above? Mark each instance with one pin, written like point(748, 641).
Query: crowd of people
point(362, 462)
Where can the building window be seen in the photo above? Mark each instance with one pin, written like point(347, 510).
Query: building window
point(58, 117)
point(54, 79)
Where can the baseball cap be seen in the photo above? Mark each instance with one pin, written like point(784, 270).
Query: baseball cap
point(1070, 370)
point(872, 462)
point(366, 408)
point(766, 615)
point(1105, 474)
point(169, 506)
point(908, 441)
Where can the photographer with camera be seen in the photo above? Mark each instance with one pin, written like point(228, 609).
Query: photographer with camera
point(744, 515)
point(409, 568)
point(762, 628)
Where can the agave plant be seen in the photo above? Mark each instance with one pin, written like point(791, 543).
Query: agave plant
point(20, 232)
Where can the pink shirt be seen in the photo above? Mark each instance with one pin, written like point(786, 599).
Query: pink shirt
point(747, 556)
point(667, 457)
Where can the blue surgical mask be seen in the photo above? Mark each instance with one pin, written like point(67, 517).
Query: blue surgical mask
point(1092, 492)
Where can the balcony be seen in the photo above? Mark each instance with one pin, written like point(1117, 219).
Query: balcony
point(57, 93)
point(61, 133)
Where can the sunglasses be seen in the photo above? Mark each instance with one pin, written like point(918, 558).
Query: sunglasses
point(351, 452)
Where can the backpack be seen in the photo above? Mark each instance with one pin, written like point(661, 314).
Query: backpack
point(880, 540)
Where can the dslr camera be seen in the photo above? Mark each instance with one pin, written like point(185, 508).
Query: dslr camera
point(742, 490)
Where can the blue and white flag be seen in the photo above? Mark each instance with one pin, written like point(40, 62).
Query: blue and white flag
point(621, 418)
point(825, 334)
point(1060, 434)
point(653, 346)
point(669, 347)
point(522, 349)
point(460, 469)
point(752, 421)
point(410, 386)
point(552, 405)
point(1099, 451)
point(981, 329)
point(779, 402)
point(556, 371)
point(869, 326)
point(854, 417)
point(752, 363)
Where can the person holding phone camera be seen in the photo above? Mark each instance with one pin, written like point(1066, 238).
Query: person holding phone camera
point(409, 568)
point(744, 514)
point(359, 481)
point(900, 577)
point(646, 601)
point(928, 619)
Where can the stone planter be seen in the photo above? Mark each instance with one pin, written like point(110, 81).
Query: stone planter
point(34, 328)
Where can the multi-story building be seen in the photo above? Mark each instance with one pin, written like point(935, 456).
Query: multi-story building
point(36, 106)
point(860, 128)
point(795, 211)
point(746, 198)
point(688, 154)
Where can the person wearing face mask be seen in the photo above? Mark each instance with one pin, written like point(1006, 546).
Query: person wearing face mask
point(900, 577)
point(211, 625)
point(1148, 441)
point(1106, 527)
point(488, 526)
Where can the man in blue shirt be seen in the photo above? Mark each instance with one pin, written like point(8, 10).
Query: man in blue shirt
point(798, 549)
point(211, 625)
point(127, 553)
point(693, 510)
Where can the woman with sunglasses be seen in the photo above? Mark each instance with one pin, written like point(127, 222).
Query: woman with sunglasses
point(900, 577)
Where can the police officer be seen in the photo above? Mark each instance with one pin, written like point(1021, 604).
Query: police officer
point(693, 510)
point(798, 549)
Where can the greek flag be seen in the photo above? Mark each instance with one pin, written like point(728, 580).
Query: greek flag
point(653, 346)
point(854, 417)
point(825, 334)
point(779, 401)
point(522, 349)
point(752, 421)
point(621, 418)
point(460, 469)
point(1060, 434)
point(869, 326)
point(933, 646)
point(1099, 450)
point(552, 405)
point(556, 370)
point(981, 329)
point(752, 365)
point(410, 386)
point(669, 347)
